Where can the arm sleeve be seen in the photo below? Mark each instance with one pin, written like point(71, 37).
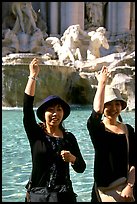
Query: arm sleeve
point(132, 153)
point(94, 121)
point(95, 127)
point(79, 165)
point(29, 120)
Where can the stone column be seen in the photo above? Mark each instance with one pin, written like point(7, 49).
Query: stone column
point(118, 17)
point(43, 10)
point(54, 18)
point(63, 11)
point(81, 14)
point(132, 16)
point(109, 20)
point(72, 13)
point(112, 17)
point(123, 17)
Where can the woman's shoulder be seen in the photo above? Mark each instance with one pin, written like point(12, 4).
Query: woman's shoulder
point(95, 115)
point(69, 135)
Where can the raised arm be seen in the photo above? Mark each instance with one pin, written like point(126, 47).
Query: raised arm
point(98, 103)
point(34, 71)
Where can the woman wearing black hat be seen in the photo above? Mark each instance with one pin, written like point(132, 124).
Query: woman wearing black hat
point(52, 148)
point(114, 144)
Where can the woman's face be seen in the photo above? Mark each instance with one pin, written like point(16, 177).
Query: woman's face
point(112, 109)
point(54, 115)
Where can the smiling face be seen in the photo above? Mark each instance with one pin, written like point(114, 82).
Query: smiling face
point(112, 109)
point(54, 115)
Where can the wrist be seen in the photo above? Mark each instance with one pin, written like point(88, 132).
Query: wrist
point(33, 78)
point(73, 160)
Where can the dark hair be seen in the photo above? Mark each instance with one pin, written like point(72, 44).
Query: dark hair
point(120, 118)
point(61, 126)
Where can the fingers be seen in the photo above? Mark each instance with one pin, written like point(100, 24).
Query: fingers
point(105, 71)
point(34, 67)
point(34, 64)
point(65, 155)
point(34, 61)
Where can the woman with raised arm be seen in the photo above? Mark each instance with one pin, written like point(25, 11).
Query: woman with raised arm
point(108, 135)
point(52, 147)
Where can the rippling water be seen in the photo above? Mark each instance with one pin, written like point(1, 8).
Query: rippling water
point(16, 158)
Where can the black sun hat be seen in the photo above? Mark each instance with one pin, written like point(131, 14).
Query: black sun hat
point(52, 99)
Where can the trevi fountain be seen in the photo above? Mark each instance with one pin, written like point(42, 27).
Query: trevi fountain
point(70, 58)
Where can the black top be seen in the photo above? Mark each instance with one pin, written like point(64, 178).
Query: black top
point(110, 160)
point(48, 167)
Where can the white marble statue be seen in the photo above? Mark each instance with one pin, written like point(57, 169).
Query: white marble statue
point(67, 46)
point(26, 17)
point(24, 36)
point(97, 39)
point(63, 52)
point(70, 39)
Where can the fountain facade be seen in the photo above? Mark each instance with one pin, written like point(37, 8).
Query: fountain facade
point(65, 50)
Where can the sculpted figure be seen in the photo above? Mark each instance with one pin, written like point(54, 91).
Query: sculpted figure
point(28, 36)
point(63, 53)
point(67, 47)
point(10, 42)
point(36, 42)
point(97, 39)
point(26, 17)
point(71, 39)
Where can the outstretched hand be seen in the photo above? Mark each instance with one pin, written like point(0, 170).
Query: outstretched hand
point(103, 75)
point(34, 68)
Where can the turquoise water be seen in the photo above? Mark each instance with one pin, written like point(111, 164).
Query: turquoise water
point(16, 158)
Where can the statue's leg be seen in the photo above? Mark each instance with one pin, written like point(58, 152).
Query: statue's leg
point(78, 53)
point(20, 16)
point(71, 57)
point(28, 12)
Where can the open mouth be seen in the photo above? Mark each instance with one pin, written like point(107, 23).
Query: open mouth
point(54, 119)
point(113, 114)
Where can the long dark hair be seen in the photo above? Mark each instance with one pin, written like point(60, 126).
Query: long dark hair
point(120, 118)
